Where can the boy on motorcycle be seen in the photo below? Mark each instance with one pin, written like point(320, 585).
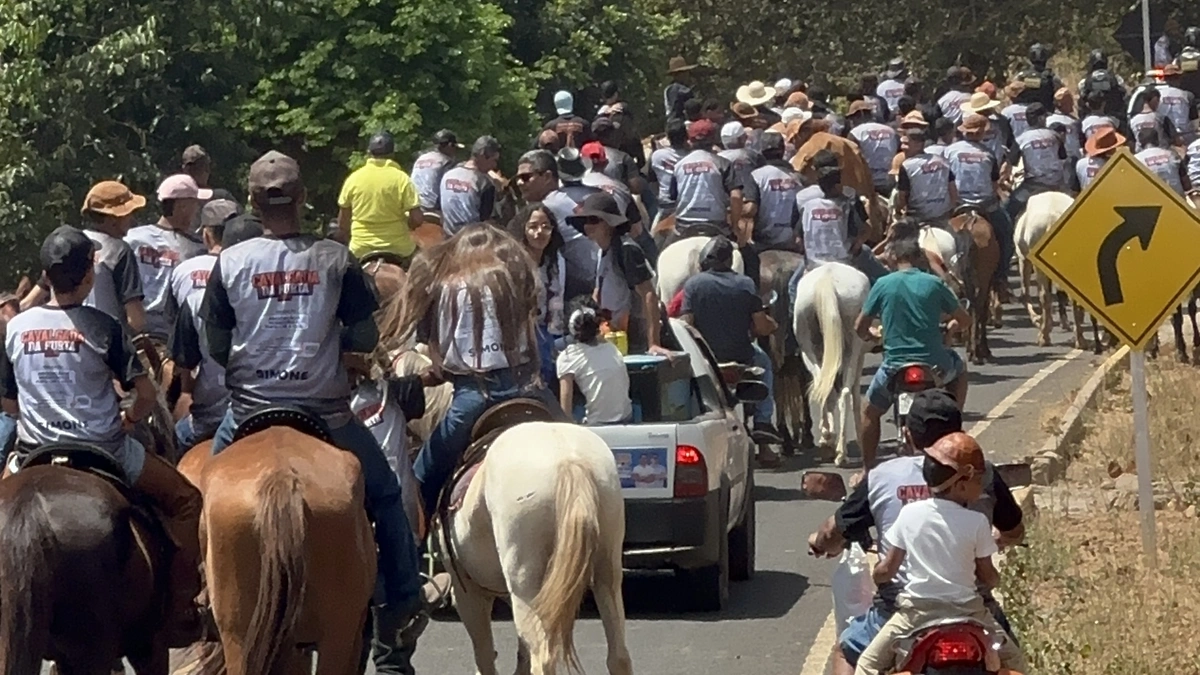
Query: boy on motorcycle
point(945, 549)
point(910, 305)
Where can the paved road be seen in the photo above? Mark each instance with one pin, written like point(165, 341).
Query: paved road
point(779, 623)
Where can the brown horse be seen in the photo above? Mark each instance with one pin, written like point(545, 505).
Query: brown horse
point(982, 259)
point(83, 575)
point(289, 554)
point(791, 377)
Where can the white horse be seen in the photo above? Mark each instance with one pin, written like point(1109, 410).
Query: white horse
point(680, 261)
point(541, 522)
point(828, 302)
point(1041, 214)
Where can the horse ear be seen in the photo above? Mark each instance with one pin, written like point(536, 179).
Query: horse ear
point(24, 286)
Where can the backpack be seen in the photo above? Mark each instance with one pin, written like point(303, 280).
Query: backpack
point(1099, 80)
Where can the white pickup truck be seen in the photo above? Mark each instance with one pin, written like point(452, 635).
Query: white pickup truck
point(687, 472)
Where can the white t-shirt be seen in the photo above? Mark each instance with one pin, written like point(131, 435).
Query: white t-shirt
point(942, 540)
point(456, 317)
point(599, 370)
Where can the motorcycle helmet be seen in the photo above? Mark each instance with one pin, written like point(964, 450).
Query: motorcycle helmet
point(1039, 54)
point(1096, 61)
point(1191, 37)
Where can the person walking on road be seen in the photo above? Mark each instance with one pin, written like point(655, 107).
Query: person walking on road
point(378, 204)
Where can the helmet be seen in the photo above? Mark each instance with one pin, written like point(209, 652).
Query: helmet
point(1096, 60)
point(1039, 54)
point(1191, 37)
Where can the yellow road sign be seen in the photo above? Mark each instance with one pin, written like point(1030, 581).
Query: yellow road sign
point(1128, 249)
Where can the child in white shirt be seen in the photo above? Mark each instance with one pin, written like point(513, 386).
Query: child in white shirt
point(945, 547)
point(598, 367)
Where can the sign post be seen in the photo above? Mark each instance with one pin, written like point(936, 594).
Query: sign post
point(1147, 49)
point(1124, 250)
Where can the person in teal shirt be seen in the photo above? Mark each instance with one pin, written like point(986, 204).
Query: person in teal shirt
point(910, 304)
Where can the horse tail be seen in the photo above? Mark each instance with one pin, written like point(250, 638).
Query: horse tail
point(829, 318)
point(279, 520)
point(25, 592)
point(569, 572)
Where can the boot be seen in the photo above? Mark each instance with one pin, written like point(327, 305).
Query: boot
point(184, 622)
point(395, 639)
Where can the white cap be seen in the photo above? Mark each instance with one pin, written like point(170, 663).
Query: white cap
point(783, 85)
point(564, 102)
point(732, 132)
point(790, 114)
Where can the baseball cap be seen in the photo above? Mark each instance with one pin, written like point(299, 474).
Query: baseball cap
point(594, 152)
point(960, 452)
point(67, 255)
point(194, 154)
point(934, 413)
point(381, 144)
point(716, 254)
point(218, 212)
point(564, 102)
point(446, 137)
point(732, 131)
point(702, 129)
point(241, 228)
point(182, 186)
point(275, 180)
point(112, 198)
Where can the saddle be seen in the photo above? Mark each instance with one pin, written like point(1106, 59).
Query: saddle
point(491, 424)
point(387, 257)
point(81, 457)
point(284, 416)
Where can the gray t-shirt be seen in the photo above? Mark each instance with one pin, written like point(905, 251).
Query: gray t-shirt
point(280, 305)
point(879, 144)
point(158, 251)
point(662, 162)
point(1016, 118)
point(1042, 157)
point(59, 364)
point(701, 184)
point(426, 175)
point(620, 167)
point(467, 196)
point(118, 279)
point(773, 188)
point(926, 178)
point(189, 348)
point(745, 161)
point(975, 172)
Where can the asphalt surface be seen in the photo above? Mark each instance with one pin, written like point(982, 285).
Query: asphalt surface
point(772, 622)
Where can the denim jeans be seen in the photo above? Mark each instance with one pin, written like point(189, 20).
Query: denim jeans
point(764, 412)
point(8, 436)
point(1002, 227)
point(398, 560)
point(473, 395)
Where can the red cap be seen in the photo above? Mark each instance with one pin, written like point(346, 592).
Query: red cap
point(595, 152)
point(701, 129)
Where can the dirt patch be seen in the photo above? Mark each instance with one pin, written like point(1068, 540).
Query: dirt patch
point(1080, 595)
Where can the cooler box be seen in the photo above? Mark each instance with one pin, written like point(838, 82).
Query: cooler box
point(661, 389)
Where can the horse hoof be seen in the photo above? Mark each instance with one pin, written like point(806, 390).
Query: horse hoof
point(841, 461)
point(1043, 341)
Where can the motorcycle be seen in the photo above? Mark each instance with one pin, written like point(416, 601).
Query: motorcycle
point(950, 647)
point(909, 380)
point(747, 386)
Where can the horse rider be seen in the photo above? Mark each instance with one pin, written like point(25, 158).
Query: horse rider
point(910, 305)
point(727, 310)
point(1178, 104)
point(679, 91)
point(708, 196)
point(196, 163)
point(744, 159)
point(1042, 155)
point(379, 206)
point(976, 174)
point(1097, 150)
point(891, 88)
point(999, 137)
point(1163, 162)
point(925, 187)
point(86, 350)
point(161, 246)
point(1021, 98)
point(1189, 61)
point(290, 288)
point(1039, 80)
point(662, 164)
point(624, 279)
point(428, 169)
point(879, 144)
point(770, 199)
point(1148, 100)
point(959, 80)
point(876, 500)
point(619, 165)
point(467, 192)
point(573, 131)
point(1096, 119)
point(1100, 79)
point(1064, 114)
point(580, 253)
point(595, 177)
point(202, 381)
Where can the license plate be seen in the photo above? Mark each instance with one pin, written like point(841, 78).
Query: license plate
point(905, 402)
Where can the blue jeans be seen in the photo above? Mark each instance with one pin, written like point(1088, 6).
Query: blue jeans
point(1002, 227)
point(398, 559)
point(861, 630)
point(764, 412)
point(877, 392)
point(473, 395)
point(8, 436)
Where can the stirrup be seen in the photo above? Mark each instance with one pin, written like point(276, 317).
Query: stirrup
point(442, 597)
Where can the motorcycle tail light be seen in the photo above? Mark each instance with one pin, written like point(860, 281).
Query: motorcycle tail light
point(955, 649)
point(914, 376)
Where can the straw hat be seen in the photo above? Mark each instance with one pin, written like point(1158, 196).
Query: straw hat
point(913, 120)
point(755, 93)
point(980, 103)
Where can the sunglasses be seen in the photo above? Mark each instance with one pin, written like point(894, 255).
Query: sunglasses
point(525, 177)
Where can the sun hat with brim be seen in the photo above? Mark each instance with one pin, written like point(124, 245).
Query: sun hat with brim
point(678, 64)
point(598, 205)
point(960, 75)
point(1104, 141)
point(790, 114)
point(858, 107)
point(1015, 89)
point(974, 123)
point(980, 103)
point(913, 120)
point(755, 93)
point(960, 452)
point(743, 111)
point(112, 198)
point(798, 99)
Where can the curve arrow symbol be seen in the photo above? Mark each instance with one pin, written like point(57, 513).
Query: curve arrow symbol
point(1139, 222)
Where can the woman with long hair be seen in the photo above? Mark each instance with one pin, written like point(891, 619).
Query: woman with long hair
point(536, 227)
point(473, 300)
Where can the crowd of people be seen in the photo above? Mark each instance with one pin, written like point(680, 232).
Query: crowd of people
point(533, 274)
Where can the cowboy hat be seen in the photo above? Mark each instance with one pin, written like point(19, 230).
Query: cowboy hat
point(980, 103)
point(1104, 141)
point(913, 120)
point(743, 111)
point(798, 99)
point(755, 93)
point(960, 75)
point(597, 206)
point(974, 123)
point(678, 64)
point(860, 106)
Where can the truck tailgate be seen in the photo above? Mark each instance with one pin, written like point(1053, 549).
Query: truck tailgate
point(645, 455)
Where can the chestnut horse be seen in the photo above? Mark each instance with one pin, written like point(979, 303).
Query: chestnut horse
point(983, 256)
point(289, 557)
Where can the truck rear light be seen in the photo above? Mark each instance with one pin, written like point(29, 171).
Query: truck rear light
point(691, 473)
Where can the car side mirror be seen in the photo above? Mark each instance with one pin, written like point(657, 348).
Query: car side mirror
point(825, 485)
point(751, 391)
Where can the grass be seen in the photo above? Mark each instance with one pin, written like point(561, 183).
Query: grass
point(1080, 596)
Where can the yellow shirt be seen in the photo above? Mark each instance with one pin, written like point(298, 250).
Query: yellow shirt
point(379, 196)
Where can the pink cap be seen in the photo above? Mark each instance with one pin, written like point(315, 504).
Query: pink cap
point(182, 186)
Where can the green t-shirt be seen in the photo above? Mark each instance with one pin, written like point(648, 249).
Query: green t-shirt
point(910, 304)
